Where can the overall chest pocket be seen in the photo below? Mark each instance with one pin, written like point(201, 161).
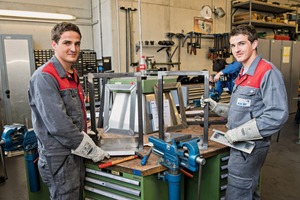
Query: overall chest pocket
point(71, 101)
point(246, 100)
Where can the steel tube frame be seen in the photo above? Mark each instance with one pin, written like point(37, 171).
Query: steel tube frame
point(106, 77)
point(160, 75)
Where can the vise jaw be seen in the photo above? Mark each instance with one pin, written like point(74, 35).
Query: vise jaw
point(181, 152)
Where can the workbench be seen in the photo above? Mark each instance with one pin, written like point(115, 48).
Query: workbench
point(142, 181)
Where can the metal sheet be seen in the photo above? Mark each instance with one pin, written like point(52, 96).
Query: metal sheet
point(218, 136)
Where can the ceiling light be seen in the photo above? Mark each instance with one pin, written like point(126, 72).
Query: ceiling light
point(36, 15)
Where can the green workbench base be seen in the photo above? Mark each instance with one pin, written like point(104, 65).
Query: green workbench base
point(150, 186)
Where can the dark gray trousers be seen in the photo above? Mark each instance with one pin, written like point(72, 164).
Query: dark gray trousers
point(244, 171)
point(64, 176)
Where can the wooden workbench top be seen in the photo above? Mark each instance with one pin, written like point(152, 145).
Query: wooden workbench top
point(153, 166)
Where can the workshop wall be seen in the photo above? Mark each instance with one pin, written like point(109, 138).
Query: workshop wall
point(40, 30)
point(105, 33)
point(159, 17)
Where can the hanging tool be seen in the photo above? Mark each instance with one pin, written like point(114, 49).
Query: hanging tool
point(131, 42)
point(145, 158)
point(179, 36)
point(128, 36)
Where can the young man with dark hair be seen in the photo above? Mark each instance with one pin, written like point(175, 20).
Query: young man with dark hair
point(258, 109)
point(59, 117)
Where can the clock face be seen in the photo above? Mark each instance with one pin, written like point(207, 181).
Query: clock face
point(206, 12)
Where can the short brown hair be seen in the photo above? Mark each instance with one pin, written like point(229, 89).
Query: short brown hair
point(245, 29)
point(62, 27)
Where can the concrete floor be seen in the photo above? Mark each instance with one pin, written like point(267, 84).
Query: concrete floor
point(280, 174)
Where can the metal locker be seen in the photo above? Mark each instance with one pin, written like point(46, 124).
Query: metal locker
point(264, 48)
point(275, 53)
point(285, 67)
point(294, 75)
point(16, 68)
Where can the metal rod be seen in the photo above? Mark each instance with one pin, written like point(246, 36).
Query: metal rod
point(140, 111)
point(160, 107)
point(199, 182)
point(140, 28)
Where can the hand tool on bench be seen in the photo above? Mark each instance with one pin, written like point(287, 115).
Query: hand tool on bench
point(145, 158)
point(114, 162)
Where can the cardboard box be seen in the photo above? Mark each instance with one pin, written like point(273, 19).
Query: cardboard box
point(244, 16)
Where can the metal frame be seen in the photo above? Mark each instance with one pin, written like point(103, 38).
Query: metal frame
point(161, 74)
point(179, 122)
point(105, 77)
point(127, 88)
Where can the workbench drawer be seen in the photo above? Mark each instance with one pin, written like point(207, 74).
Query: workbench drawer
point(105, 184)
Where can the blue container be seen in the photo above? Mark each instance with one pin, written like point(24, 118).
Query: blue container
point(32, 171)
point(196, 103)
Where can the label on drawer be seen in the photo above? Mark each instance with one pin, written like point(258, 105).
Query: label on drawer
point(218, 136)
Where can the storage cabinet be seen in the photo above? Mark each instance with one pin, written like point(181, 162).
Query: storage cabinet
point(107, 184)
point(16, 68)
point(283, 54)
point(249, 12)
point(214, 179)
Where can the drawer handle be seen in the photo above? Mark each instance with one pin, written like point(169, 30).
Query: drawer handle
point(225, 158)
point(224, 167)
point(223, 176)
point(223, 187)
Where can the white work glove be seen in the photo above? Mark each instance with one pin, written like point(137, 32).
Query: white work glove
point(245, 132)
point(220, 109)
point(88, 149)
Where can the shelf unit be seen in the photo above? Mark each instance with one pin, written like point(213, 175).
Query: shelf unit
point(264, 7)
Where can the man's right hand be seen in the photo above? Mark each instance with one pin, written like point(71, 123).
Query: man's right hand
point(88, 149)
point(220, 109)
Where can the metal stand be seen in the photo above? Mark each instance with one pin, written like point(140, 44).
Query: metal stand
point(106, 77)
point(179, 122)
point(161, 74)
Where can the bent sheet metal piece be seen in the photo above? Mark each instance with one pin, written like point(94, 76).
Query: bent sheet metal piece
point(218, 136)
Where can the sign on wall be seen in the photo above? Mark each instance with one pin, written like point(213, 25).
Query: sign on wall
point(202, 25)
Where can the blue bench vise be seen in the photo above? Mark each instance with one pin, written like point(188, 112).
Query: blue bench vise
point(182, 152)
point(13, 137)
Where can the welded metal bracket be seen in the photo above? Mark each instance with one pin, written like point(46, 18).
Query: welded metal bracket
point(161, 74)
point(178, 121)
point(126, 88)
point(105, 77)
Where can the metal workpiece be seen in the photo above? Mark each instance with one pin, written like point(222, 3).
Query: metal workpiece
point(160, 75)
point(178, 121)
point(105, 78)
point(119, 88)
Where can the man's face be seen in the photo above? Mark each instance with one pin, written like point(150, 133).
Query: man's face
point(242, 49)
point(67, 49)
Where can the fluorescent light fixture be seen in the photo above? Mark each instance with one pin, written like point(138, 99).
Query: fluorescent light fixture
point(36, 15)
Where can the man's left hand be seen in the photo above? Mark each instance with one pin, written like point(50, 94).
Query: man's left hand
point(245, 132)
